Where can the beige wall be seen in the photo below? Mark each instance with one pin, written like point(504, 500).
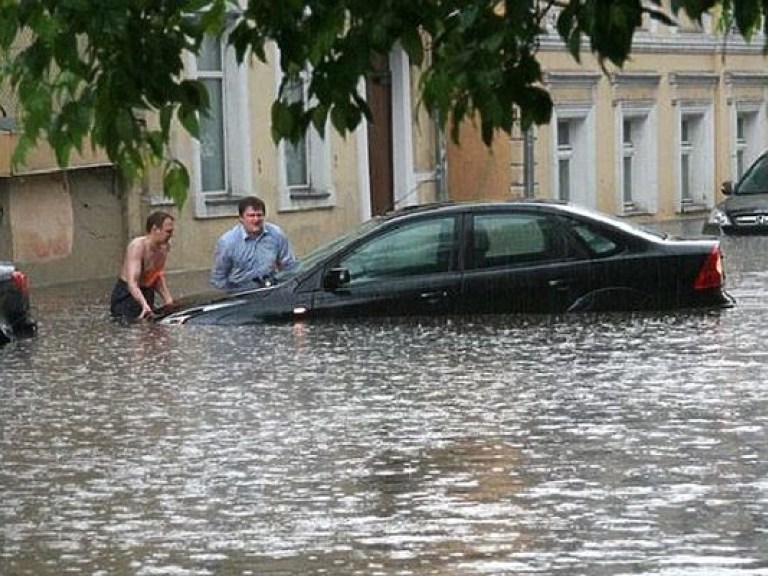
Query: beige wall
point(42, 159)
point(63, 226)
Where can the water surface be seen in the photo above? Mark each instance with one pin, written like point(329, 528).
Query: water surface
point(596, 445)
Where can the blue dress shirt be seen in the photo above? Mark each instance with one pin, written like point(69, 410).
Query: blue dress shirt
point(240, 260)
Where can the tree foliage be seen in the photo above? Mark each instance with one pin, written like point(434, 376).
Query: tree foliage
point(96, 70)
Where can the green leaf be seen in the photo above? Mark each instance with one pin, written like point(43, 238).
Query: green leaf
point(413, 46)
point(319, 115)
point(188, 117)
point(176, 183)
point(747, 14)
point(339, 117)
point(283, 121)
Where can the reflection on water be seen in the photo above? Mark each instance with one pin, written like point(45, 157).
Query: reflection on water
point(600, 445)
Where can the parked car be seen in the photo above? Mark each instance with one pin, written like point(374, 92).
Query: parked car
point(527, 257)
point(15, 318)
point(745, 207)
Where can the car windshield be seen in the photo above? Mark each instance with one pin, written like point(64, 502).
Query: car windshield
point(755, 180)
point(320, 253)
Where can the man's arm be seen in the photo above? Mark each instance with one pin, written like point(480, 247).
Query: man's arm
point(133, 255)
point(285, 257)
point(222, 264)
point(164, 291)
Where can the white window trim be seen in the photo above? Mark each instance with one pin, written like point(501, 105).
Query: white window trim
point(703, 168)
point(405, 182)
point(756, 139)
point(322, 193)
point(646, 176)
point(564, 154)
point(237, 140)
point(583, 177)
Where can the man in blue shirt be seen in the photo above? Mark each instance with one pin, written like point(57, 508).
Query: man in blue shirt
point(248, 254)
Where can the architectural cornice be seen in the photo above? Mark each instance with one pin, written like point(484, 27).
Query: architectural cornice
point(638, 78)
point(693, 79)
point(586, 79)
point(681, 43)
point(746, 78)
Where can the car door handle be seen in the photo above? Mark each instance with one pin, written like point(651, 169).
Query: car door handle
point(558, 283)
point(434, 295)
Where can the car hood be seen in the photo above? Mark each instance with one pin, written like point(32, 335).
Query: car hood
point(207, 303)
point(755, 203)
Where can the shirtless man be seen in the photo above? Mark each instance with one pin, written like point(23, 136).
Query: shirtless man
point(143, 271)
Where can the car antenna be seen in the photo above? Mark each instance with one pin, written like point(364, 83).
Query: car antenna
point(395, 201)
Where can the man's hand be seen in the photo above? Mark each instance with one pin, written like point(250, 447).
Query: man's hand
point(146, 313)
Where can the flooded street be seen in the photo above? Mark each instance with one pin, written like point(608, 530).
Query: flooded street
point(597, 445)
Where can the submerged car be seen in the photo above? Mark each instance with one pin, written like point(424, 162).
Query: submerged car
point(508, 257)
point(15, 318)
point(745, 208)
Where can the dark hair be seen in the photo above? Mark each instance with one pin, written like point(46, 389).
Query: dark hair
point(252, 202)
point(156, 219)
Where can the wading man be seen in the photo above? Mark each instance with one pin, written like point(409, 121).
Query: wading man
point(143, 271)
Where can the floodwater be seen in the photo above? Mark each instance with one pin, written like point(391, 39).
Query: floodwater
point(588, 445)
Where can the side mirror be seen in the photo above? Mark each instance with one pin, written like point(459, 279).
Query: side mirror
point(727, 188)
point(335, 278)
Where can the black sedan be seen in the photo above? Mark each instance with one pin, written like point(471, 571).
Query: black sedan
point(513, 257)
point(15, 318)
point(745, 208)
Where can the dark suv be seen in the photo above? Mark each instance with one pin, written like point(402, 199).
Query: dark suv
point(15, 318)
point(745, 208)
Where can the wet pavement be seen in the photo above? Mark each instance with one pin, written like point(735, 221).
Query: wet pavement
point(596, 445)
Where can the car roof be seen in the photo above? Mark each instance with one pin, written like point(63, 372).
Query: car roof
point(535, 204)
point(469, 206)
point(542, 205)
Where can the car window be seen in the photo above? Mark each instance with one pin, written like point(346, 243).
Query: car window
point(414, 249)
point(598, 243)
point(310, 260)
point(756, 178)
point(515, 238)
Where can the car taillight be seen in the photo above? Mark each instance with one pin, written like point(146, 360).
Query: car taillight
point(20, 281)
point(711, 273)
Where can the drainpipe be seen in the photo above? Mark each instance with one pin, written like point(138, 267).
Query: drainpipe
point(440, 164)
point(529, 161)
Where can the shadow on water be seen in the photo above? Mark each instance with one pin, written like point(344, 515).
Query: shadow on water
point(592, 444)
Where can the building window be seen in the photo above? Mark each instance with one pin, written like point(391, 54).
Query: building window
point(564, 159)
point(636, 164)
point(628, 150)
point(297, 154)
point(221, 156)
point(305, 168)
point(749, 137)
point(696, 159)
point(686, 152)
point(573, 167)
point(213, 162)
point(741, 145)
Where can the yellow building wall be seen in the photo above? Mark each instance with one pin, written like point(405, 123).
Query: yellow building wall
point(685, 73)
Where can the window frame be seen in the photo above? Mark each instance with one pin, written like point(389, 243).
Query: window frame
point(581, 155)
point(237, 145)
point(319, 191)
point(558, 243)
point(644, 180)
point(753, 141)
point(695, 157)
point(363, 251)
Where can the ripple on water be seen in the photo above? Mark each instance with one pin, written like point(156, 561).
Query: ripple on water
point(615, 444)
